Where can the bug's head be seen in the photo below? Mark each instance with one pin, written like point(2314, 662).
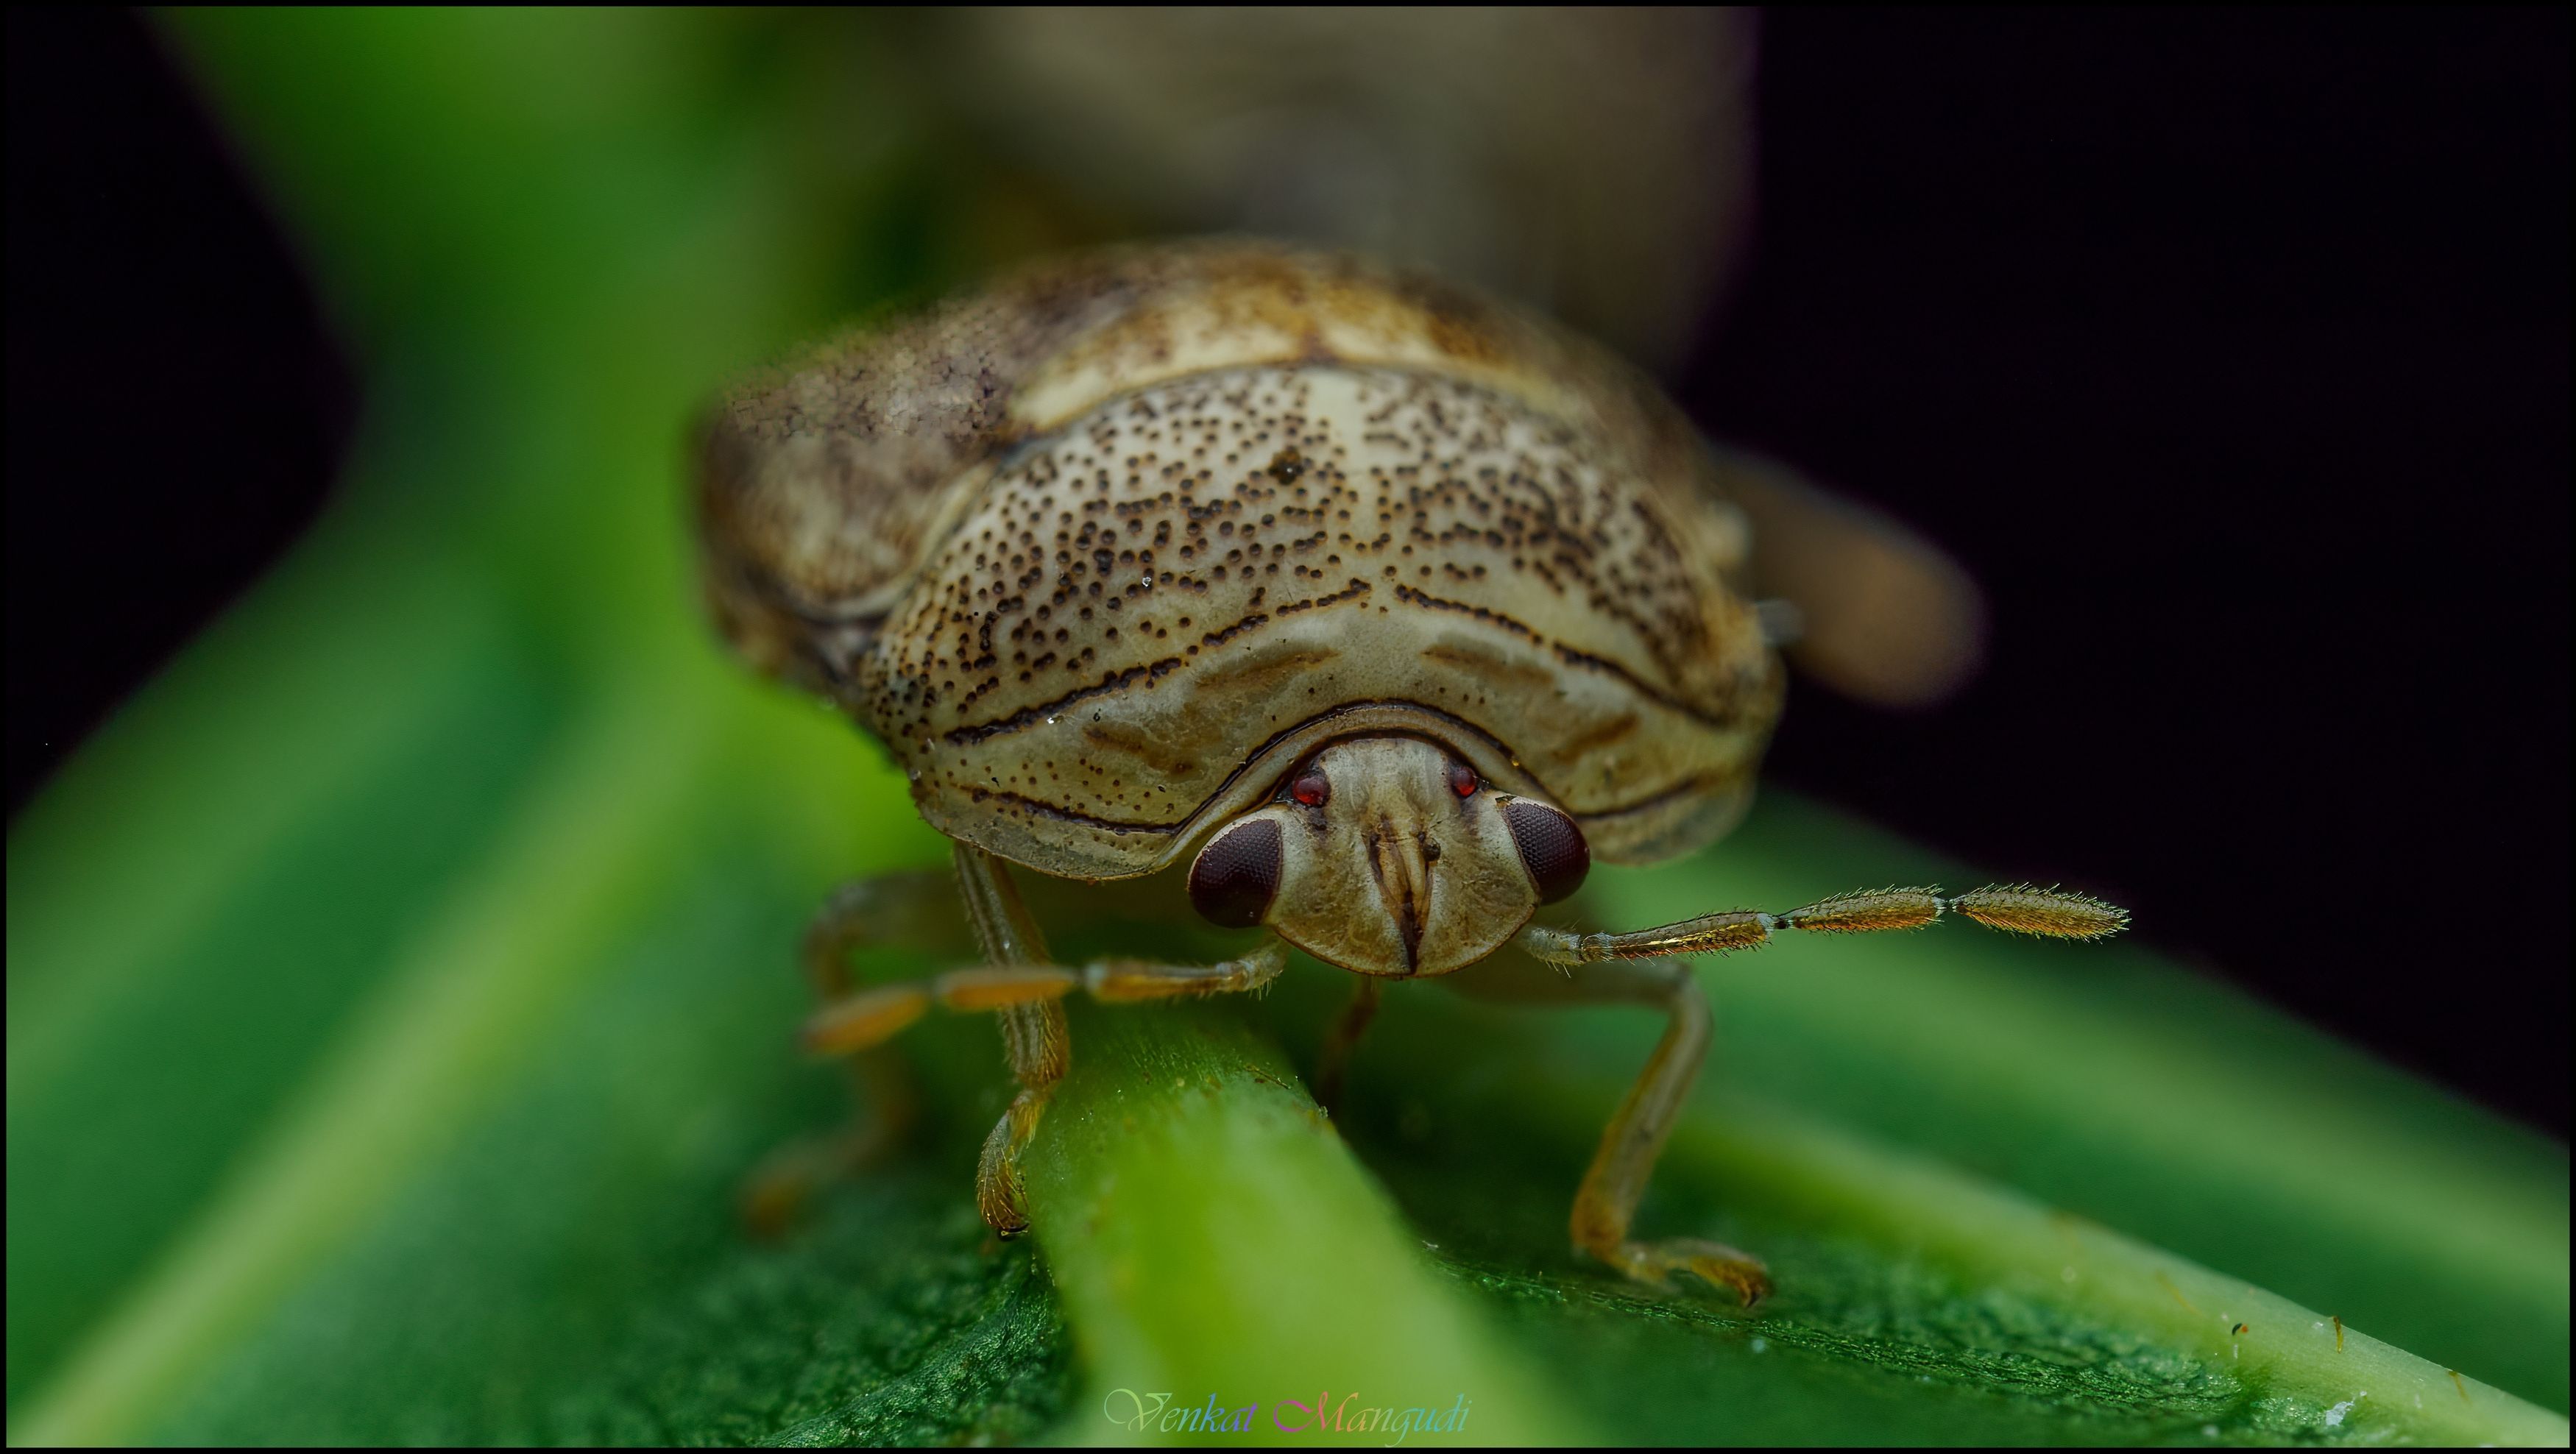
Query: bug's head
point(1388, 855)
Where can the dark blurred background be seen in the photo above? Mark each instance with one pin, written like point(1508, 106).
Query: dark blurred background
point(2228, 351)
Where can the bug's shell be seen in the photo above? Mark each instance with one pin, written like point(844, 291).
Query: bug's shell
point(1101, 552)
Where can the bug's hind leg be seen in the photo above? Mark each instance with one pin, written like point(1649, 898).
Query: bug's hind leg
point(867, 913)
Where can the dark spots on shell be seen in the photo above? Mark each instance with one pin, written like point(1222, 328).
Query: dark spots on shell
point(1310, 487)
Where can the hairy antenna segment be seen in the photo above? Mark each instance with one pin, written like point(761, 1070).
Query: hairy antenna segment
point(1868, 910)
point(2048, 913)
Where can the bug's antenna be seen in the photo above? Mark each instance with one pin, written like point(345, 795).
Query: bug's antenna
point(2049, 913)
point(2014, 908)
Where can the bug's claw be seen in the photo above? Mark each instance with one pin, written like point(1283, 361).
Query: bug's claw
point(1713, 1263)
point(1748, 1277)
point(999, 1193)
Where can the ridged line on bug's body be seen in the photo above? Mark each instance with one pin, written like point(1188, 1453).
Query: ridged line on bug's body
point(1572, 657)
point(1149, 673)
point(1485, 614)
point(1664, 797)
point(1567, 654)
point(1660, 798)
point(1152, 672)
point(1351, 592)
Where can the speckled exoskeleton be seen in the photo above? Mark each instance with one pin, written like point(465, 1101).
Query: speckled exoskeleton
point(1389, 609)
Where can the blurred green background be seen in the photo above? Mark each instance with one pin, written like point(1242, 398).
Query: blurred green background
point(399, 988)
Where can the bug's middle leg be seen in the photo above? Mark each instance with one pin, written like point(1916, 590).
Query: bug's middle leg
point(868, 913)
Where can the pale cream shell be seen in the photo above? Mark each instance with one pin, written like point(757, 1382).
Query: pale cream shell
point(1101, 553)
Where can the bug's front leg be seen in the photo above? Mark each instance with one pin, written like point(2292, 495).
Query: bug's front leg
point(1025, 991)
point(1033, 1031)
point(1636, 967)
point(1606, 1204)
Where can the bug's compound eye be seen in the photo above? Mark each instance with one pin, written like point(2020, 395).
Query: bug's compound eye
point(1462, 779)
point(1235, 877)
point(1552, 848)
point(1311, 788)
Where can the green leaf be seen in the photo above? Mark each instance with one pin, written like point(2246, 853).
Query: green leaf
point(400, 989)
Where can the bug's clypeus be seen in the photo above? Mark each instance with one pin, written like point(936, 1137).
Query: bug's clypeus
point(1388, 609)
